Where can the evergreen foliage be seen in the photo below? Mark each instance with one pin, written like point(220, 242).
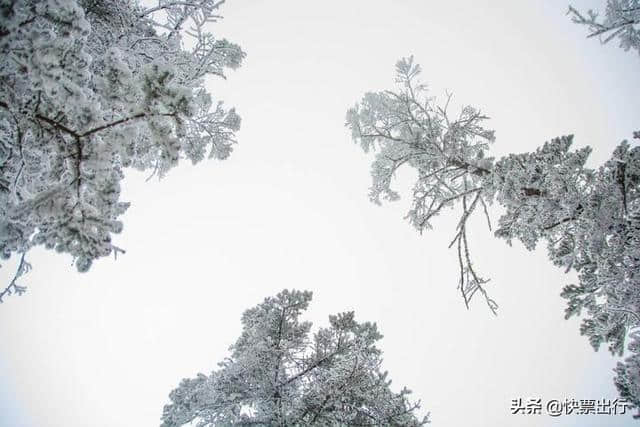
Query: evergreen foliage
point(279, 374)
point(87, 89)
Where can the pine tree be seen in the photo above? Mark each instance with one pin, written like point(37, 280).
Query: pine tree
point(87, 89)
point(589, 219)
point(621, 20)
point(280, 375)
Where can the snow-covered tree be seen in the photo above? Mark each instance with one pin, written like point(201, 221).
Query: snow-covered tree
point(87, 89)
point(279, 374)
point(589, 219)
point(621, 20)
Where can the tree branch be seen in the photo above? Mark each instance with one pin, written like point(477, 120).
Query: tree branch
point(13, 287)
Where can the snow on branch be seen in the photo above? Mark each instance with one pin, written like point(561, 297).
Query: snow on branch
point(90, 88)
point(588, 218)
point(407, 128)
point(279, 373)
point(621, 20)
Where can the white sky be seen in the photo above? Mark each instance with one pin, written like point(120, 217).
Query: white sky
point(289, 209)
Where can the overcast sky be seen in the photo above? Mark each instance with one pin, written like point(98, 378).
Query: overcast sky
point(289, 209)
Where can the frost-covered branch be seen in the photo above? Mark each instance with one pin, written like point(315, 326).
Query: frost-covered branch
point(621, 20)
point(588, 218)
point(173, 4)
point(13, 287)
point(90, 88)
point(407, 128)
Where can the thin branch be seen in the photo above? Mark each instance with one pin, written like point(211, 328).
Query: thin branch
point(444, 202)
point(486, 213)
point(623, 310)
point(124, 120)
point(76, 134)
point(13, 287)
point(173, 4)
point(58, 125)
